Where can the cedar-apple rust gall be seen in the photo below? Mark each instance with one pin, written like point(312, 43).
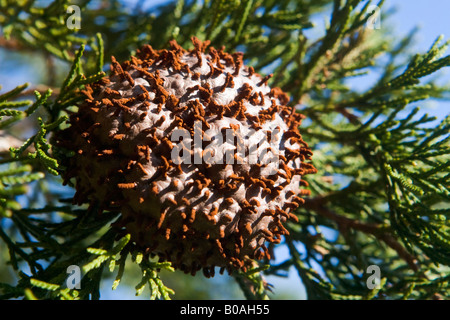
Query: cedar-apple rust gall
point(227, 146)
point(201, 157)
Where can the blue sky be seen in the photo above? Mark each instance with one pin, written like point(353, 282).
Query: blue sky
point(430, 15)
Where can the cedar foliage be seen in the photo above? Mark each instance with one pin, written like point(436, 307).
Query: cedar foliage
point(381, 195)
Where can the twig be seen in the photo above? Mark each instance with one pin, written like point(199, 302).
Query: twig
point(11, 44)
point(375, 229)
point(41, 88)
point(348, 115)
